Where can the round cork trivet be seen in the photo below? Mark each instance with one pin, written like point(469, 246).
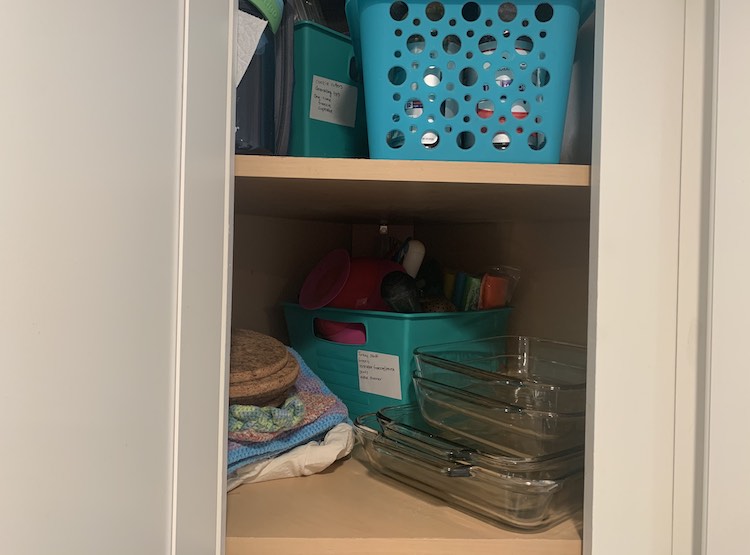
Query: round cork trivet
point(268, 387)
point(255, 355)
point(263, 401)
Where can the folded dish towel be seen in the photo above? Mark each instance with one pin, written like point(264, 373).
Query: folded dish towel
point(240, 454)
point(303, 460)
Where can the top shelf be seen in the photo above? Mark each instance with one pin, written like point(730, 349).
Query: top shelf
point(404, 191)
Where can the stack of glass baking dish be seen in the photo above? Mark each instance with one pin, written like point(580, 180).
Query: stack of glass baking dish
point(499, 429)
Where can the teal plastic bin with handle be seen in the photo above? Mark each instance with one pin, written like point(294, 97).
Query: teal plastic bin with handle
point(378, 372)
point(328, 107)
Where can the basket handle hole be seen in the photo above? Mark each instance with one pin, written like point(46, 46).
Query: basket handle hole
point(345, 333)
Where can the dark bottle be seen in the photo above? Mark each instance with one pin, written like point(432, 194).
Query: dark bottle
point(254, 110)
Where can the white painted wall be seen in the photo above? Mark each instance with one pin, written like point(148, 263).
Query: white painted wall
point(90, 100)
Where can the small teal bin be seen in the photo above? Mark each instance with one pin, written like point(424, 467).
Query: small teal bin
point(328, 107)
point(378, 373)
point(466, 80)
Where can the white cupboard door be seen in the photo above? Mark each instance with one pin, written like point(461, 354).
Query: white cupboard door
point(99, 235)
point(728, 441)
point(635, 204)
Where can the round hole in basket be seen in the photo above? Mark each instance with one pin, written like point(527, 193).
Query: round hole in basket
point(487, 45)
point(544, 12)
point(399, 11)
point(433, 76)
point(539, 77)
point(507, 11)
point(524, 45)
point(449, 108)
point(465, 140)
point(435, 11)
point(501, 140)
point(504, 77)
point(520, 109)
point(430, 139)
point(451, 44)
point(415, 44)
point(395, 138)
point(485, 108)
point(468, 76)
point(471, 11)
point(537, 140)
point(397, 75)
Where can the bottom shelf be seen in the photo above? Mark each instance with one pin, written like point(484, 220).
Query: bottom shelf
point(349, 510)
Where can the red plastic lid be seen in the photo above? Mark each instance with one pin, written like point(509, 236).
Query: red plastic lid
point(326, 280)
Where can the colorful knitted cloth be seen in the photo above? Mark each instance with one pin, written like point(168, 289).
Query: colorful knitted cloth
point(241, 454)
point(248, 423)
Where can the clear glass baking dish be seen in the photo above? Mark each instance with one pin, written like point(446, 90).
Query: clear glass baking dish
point(498, 426)
point(406, 425)
point(524, 371)
point(511, 501)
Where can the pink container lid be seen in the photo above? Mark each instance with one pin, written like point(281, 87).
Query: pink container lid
point(326, 280)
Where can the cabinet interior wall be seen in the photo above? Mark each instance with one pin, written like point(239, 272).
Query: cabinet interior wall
point(272, 256)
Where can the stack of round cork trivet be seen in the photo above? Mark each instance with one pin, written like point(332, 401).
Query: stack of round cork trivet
point(261, 370)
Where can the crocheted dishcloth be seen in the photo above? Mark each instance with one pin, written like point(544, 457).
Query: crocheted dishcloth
point(241, 454)
point(249, 423)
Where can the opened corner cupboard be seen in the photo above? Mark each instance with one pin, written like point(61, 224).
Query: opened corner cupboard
point(133, 239)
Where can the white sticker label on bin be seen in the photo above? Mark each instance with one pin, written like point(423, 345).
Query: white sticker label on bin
point(333, 101)
point(379, 374)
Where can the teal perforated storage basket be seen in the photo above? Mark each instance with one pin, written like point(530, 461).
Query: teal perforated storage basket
point(466, 80)
point(378, 373)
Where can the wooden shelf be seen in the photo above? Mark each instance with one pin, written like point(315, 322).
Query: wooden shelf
point(406, 191)
point(347, 510)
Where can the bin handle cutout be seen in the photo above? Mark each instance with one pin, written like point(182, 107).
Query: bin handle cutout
point(345, 333)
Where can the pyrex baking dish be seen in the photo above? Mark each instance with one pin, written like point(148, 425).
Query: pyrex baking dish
point(532, 373)
point(495, 425)
point(511, 501)
point(406, 425)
